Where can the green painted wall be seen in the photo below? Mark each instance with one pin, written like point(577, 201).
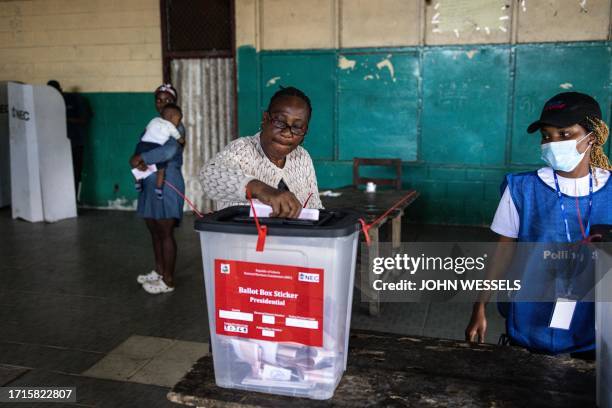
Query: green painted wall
point(118, 122)
point(368, 99)
point(456, 115)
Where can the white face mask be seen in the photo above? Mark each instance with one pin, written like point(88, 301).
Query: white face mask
point(563, 156)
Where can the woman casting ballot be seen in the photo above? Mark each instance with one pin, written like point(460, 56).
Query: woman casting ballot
point(555, 204)
point(271, 165)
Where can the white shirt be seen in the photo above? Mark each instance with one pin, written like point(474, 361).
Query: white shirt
point(159, 131)
point(506, 221)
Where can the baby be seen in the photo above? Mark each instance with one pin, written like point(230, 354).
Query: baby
point(157, 133)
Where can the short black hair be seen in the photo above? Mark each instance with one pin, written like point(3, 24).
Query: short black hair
point(53, 83)
point(290, 91)
point(172, 106)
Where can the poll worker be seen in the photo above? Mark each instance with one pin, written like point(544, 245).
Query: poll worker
point(271, 165)
point(555, 204)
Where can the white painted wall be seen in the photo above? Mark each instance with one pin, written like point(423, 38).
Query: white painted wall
point(286, 24)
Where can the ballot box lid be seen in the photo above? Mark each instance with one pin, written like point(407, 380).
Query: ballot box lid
point(236, 220)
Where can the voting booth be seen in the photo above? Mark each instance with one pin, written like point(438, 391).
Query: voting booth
point(603, 317)
point(603, 313)
point(279, 316)
point(41, 176)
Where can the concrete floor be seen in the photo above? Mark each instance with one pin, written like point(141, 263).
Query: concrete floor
point(69, 299)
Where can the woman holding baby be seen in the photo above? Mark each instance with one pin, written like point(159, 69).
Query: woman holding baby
point(159, 205)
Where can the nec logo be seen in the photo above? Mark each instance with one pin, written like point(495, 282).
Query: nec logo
point(235, 328)
point(308, 277)
point(20, 114)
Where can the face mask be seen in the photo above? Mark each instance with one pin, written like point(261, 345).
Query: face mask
point(563, 156)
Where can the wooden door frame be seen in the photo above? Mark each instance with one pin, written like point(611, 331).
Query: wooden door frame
point(168, 56)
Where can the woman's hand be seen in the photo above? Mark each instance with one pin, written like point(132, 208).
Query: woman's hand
point(476, 329)
point(137, 162)
point(504, 252)
point(284, 203)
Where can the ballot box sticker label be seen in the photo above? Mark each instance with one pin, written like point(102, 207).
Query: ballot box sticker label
point(281, 303)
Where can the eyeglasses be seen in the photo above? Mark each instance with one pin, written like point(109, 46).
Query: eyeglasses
point(296, 131)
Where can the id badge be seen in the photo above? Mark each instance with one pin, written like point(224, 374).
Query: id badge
point(562, 313)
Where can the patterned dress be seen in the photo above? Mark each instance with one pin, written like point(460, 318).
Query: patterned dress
point(225, 177)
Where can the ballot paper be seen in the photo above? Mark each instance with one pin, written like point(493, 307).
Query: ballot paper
point(264, 211)
point(325, 376)
point(269, 350)
point(329, 193)
point(270, 372)
point(323, 358)
point(285, 364)
point(248, 352)
point(140, 174)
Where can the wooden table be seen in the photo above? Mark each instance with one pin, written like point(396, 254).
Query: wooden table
point(390, 370)
point(373, 205)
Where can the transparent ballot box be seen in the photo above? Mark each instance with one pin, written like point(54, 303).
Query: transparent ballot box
point(279, 317)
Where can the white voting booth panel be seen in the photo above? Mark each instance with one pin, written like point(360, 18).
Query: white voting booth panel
point(42, 183)
point(5, 165)
point(603, 326)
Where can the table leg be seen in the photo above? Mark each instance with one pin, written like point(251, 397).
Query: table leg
point(396, 230)
point(373, 295)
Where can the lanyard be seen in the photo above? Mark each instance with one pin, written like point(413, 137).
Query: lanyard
point(588, 217)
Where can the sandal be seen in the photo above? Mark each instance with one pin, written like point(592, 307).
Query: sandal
point(148, 277)
point(157, 287)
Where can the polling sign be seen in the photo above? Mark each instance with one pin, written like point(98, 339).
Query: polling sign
point(42, 182)
point(269, 302)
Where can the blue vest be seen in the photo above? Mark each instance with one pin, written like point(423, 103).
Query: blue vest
point(541, 220)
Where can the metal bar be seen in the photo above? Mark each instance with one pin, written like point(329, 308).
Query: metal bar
point(199, 54)
point(373, 296)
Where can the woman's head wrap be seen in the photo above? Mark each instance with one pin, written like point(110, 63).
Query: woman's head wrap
point(168, 88)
